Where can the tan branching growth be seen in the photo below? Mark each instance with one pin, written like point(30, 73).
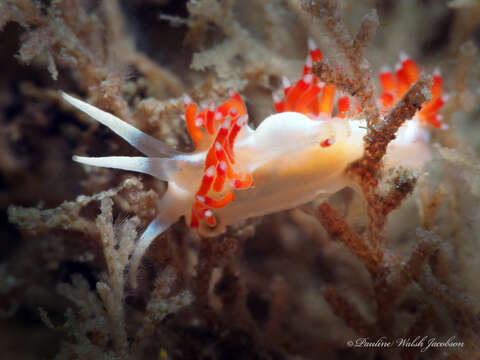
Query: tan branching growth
point(359, 82)
point(116, 256)
point(461, 307)
point(431, 202)
point(71, 38)
point(366, 33)
point(339, 230)
point(413, 267)
point(329, 12)
point(345, 310)
point(162, 303)
point(383, 133)
point(380, 135)
point(223, 58)
point(214, 253)
point(118, 242)
point(335, 77)
point(380, 132)
point(389, 280)
point(379, 206)
point(68, 215)
point(420, 326)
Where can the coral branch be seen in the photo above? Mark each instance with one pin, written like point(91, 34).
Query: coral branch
point(335, 77)
point(413, 267)
point(461, 308)
point(366, 33)
point(380, 206)
point(403, 186)
point(329, 12)
point(258, 60)
point(419, 328)
point(380, 136)
point(116, 253)
point(160, 79)
point(430, 202)
point(365, 170)
point(339, 230)
point(346, 310)
point(161, 304)
point(68, 215)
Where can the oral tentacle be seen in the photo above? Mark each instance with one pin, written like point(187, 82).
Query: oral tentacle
point(138, 139)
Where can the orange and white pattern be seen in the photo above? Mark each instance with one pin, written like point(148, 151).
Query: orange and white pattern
point(218, 129)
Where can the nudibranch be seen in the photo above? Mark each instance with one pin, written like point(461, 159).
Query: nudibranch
point(235, 172)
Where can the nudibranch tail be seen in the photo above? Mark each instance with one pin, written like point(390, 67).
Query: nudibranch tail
point(216, 131)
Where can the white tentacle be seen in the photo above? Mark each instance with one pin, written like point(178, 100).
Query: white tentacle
point(141, 141)
point(161, 168)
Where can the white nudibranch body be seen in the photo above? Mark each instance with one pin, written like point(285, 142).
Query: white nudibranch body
point(235, 172)
point(289, 165)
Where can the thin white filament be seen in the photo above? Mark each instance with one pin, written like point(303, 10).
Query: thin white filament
point(157, 167)
point(141, 141)
point(155, 228)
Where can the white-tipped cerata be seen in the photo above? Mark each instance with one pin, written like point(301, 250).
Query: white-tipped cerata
point(311, 44)
point(403, 56)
